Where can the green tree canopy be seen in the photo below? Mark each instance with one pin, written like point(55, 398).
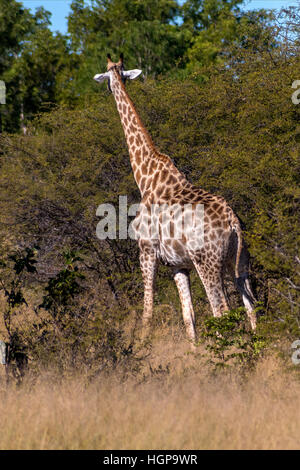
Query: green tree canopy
point(158, 36)
point(31, 57)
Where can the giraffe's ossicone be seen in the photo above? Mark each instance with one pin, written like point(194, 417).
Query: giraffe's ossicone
point(212, 247)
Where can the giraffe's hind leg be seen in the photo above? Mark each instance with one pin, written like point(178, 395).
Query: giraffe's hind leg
point(242, 282)
point(212, 280)
point(244, 287)
point(182, 280)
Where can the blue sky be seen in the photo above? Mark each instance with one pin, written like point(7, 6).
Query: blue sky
point(61, 8)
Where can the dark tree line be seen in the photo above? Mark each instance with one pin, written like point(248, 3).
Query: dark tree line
point(42, 68)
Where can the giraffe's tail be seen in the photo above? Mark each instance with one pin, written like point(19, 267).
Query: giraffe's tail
point(239, 250)
point(239, 233)
point(241, 271)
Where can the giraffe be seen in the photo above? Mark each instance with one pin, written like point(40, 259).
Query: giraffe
point(162, 184)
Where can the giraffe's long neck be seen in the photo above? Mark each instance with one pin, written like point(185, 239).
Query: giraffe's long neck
point(150, 167)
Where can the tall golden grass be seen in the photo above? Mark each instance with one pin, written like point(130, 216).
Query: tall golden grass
point(183, 407)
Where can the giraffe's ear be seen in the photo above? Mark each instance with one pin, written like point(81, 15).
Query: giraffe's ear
point(100, 77)
point(132, 74)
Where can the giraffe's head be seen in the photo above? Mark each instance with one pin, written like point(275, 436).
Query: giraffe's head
point(116, 67)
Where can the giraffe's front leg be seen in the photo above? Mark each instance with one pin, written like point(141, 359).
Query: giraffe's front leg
point(148, 262)
point(182, 279)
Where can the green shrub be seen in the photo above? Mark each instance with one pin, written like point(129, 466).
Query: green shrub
point(230, 342)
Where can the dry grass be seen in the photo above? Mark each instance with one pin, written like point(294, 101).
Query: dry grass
point(187, 408)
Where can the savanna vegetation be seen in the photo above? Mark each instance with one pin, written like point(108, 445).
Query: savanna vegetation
point(216, 95)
